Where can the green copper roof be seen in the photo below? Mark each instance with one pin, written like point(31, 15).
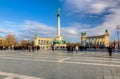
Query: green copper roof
point(59, 42)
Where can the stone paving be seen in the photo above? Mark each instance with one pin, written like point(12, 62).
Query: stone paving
point(46, 64)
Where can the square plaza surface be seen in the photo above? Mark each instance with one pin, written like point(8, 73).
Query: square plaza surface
point(47, 64)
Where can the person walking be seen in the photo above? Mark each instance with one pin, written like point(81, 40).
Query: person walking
point(33, 48)
point(52, 47)
point(110, 51)
point(76, 48)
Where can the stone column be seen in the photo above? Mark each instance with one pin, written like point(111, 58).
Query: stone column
point(58, 22)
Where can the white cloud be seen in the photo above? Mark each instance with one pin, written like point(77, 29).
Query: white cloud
point(72, 31)
point(28, 29)
point(110, 23)
point(2, 31)
point(89, 6)
point(31, 28)
point(96, 7)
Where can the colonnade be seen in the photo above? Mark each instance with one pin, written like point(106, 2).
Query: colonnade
point(91, 41)
point(45, 42)
point(95, 41)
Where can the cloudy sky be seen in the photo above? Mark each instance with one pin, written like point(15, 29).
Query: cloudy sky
point(25, 18)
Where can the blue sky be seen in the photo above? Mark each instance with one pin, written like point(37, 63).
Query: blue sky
point(25, 18)
point(19, 10)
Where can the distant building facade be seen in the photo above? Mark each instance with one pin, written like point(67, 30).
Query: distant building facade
point(93, 41)
point(1, 41)
point(43, 42)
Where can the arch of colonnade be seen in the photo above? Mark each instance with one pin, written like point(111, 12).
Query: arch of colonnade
point(94, 41)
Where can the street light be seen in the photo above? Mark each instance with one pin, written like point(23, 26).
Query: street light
point(118, 27)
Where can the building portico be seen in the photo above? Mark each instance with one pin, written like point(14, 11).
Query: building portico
point(91, 41)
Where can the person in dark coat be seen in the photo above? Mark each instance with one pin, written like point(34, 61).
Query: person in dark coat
point(52, 47)
point(110, 51)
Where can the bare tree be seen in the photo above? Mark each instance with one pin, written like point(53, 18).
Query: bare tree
point(10, 39)
point(5, 43)
point(24, 42)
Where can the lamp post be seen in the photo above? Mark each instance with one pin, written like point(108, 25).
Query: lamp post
point(118, 27)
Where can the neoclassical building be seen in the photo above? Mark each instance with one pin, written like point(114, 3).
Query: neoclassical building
point(43, 42)
point(92, 41)
point(58, 41)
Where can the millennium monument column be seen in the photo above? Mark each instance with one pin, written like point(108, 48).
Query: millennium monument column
point(58, 23)
point(59, 41)
point(59, 37)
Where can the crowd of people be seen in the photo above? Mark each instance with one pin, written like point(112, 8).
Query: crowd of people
point(30, 48)
point(67, 48)
point(4, 47)
point(76, 48)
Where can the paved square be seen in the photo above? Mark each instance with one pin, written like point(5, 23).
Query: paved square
point(46, 64)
